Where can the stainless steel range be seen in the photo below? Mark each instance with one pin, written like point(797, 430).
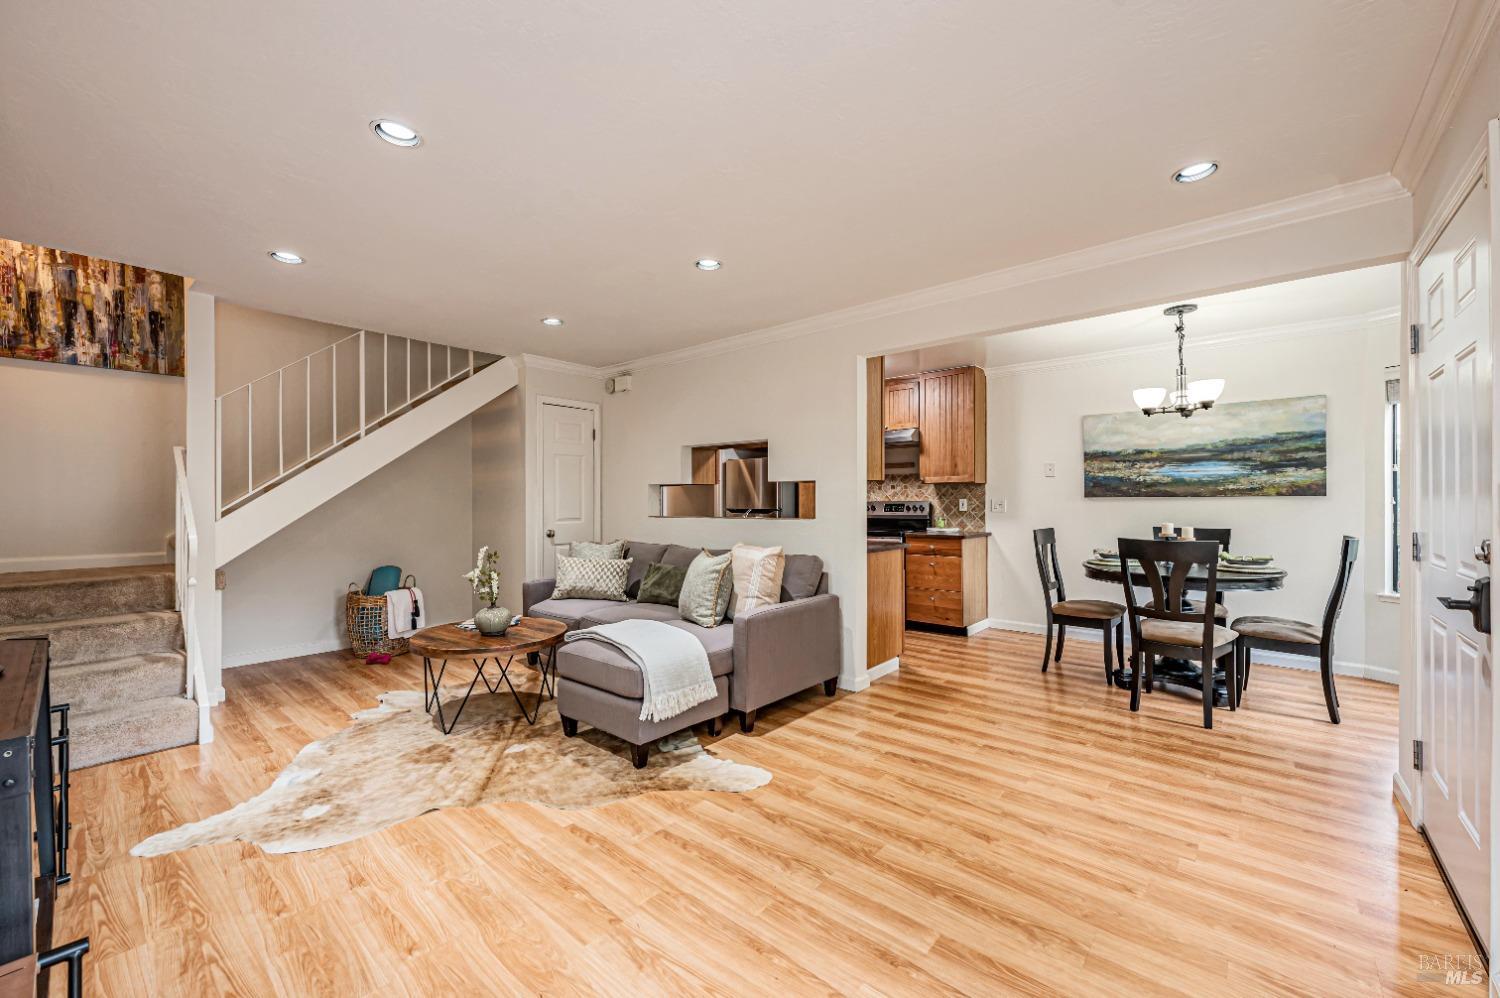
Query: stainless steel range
point(893, 520)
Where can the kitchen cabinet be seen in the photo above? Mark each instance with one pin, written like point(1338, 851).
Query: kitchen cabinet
point(874, 418)
point(903, 403)
point(951, 421)
point(947, 579)
point(885, 601)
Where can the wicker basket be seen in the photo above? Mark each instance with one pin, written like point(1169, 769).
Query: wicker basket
point(364, 618)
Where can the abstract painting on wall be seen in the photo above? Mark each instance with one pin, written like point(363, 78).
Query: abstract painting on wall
point(1278, 447)
point(68, 308)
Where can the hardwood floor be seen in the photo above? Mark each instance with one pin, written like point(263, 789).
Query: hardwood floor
point(968, 825)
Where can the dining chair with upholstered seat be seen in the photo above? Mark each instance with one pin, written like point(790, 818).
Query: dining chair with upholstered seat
point(1062, 613)
point(1296, 637)
point(1176, 633)
point(1220, 534)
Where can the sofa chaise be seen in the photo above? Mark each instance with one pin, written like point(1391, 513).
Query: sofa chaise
point(757, 659)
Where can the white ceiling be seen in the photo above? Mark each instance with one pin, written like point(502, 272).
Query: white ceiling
point(580, 155)
point(1349, 295)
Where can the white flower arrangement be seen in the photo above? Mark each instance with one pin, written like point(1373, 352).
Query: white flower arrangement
point(484, 578)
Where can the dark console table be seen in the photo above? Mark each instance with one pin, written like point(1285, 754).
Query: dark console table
point(33, 787)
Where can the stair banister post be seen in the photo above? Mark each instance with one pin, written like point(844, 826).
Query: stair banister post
point(385, 375)
point(218, 456)
point(250, 438)
point(361, 382)
point(333, 355)
point(280, 434)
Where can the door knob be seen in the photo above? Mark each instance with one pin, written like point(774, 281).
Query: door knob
point(551, 533)
point(1477, 605)
point(1482, 551)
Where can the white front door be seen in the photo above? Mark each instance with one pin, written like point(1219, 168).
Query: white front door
point(1453, 520)
point(569, 503)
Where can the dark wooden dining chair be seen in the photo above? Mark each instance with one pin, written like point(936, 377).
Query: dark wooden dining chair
point(1296, 637)
point(1220, 534)
point(1062, 613)
point(1176, 633)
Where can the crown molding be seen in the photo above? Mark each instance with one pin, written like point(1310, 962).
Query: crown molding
point(1359, 194)
point(540, 363)
point(1452, 70)
point(1294, 330)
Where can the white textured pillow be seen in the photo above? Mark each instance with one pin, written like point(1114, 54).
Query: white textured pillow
point(706, 589)
point(595, 551)
point(587, 578)
point(757, 576)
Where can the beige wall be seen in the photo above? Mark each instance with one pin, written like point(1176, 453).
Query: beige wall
point(285, 597)
point(88, 459)
point(1035, 418)
point(499, 496)
point(803, 389)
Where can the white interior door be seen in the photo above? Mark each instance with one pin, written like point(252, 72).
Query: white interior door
point(569, 489)
point(1453, 519)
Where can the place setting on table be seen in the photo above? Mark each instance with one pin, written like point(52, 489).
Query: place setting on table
point(1234, 573)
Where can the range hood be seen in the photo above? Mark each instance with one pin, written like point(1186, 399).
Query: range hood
point(902, 450)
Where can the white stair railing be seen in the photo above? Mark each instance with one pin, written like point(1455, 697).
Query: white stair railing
point(196, 685)
point(300, 437)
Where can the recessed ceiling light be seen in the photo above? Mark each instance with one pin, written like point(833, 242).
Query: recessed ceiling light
point(285, 256)
point(1196, 172)
point(708, 265)
point(552, 320)
point(396, 133)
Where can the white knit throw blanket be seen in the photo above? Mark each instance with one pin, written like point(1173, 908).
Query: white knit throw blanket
point(674, 665)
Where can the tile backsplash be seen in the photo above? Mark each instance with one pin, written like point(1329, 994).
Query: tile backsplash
point(943, 495)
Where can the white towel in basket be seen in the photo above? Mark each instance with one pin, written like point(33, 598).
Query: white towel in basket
point(405, 612)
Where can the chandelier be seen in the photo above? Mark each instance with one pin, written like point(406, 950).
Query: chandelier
point(1188, 397)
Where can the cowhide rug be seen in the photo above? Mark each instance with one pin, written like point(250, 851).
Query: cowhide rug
point(393, 763)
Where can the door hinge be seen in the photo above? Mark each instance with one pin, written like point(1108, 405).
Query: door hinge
point(1416, 338)
point(1416, 546)
point(593, 434)
point(1416, 754)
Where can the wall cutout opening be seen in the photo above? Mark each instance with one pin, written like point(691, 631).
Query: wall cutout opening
point(732, 481)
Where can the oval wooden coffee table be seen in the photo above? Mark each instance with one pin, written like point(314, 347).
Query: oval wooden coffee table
point(530, 635)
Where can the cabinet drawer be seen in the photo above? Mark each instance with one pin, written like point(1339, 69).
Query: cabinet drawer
point(948, 546)
point(932, 606)
point(934, 571)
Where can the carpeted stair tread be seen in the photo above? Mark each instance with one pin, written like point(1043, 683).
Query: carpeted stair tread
point(131, 729)
point(91, 686)
point(33, 597)
point(97, 639)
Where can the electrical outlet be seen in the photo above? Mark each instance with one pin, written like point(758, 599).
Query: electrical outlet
point(1049, 470)
point(997, 506)
point(963, 505)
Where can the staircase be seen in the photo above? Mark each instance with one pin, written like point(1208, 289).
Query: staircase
point(118, 656)
point(293, 439)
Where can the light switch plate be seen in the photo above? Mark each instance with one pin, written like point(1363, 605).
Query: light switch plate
point(998, 506)
point(963, 505)
point(1049, 470)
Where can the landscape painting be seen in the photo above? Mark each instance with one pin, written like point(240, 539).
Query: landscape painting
point(1278, 447)
point(67, 308)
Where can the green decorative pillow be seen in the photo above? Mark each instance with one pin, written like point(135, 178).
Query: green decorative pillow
point(706, 590)
point(661, 584)
point(582, 578)
point(593, 551)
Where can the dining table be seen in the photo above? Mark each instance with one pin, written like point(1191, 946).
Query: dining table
point(1229, 578)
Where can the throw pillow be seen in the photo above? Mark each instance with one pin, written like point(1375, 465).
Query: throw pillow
point(584, 578)
point(705, 590)
point(662, 584)
point(593, 551)
point(757, 576)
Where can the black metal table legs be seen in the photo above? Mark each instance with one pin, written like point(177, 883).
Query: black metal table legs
point(432, 683)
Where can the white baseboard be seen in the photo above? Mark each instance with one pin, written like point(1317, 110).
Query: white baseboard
point(982, 625)
point(884, 669)
point(57, 563)
point(1340, 668)
point(255, 656)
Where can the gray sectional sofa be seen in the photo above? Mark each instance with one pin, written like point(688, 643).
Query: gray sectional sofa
point(756, 660)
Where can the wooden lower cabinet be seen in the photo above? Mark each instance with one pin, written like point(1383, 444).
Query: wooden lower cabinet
point(947, 579)
point(885, 605)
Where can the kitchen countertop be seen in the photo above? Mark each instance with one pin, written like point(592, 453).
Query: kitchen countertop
point(961, 533)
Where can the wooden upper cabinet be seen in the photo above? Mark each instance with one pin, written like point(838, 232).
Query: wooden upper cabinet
point(952, 424)
point(903, 403)
point(875, 418)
